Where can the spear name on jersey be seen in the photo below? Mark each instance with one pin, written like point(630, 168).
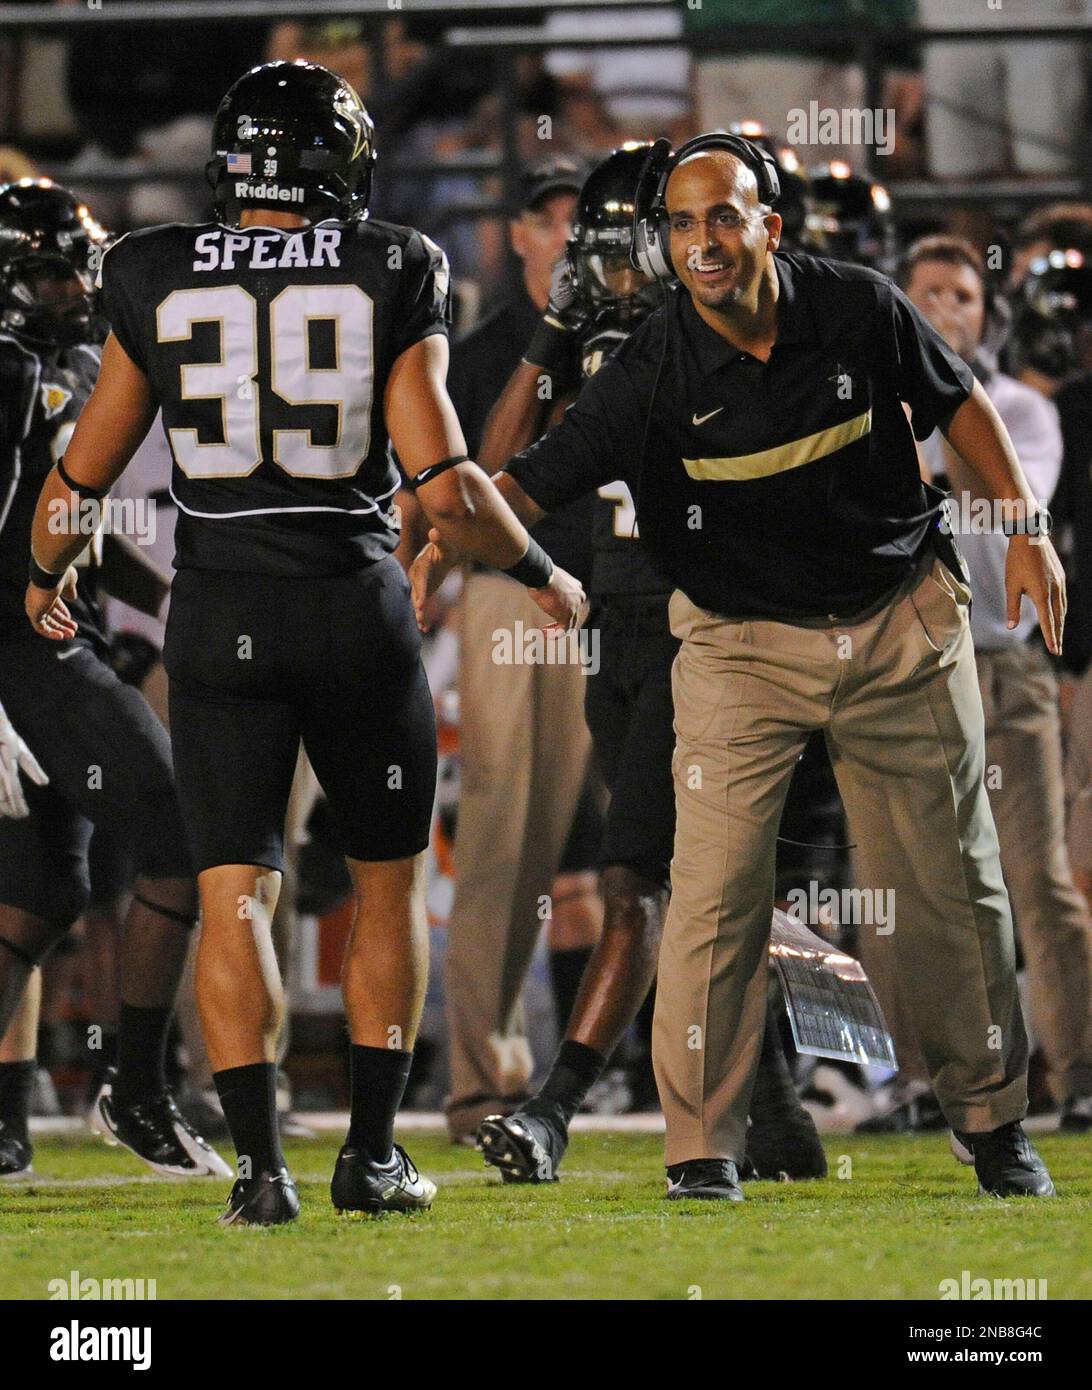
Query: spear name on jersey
point(218, 250)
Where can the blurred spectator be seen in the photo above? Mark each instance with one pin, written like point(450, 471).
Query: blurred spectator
point(340, 45)
point(144, 94)
point(519, 799)
point(946, 280)
point(769, 84)
point(643, 92)
point(1004, 106)
point(1073, 513)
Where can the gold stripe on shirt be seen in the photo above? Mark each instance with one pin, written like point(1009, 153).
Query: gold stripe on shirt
point(745, 467)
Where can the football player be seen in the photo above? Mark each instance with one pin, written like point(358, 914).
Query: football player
point(288, 344)
point(100, 757)
point(598, 299)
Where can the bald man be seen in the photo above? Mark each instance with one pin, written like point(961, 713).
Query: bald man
point(765, 420)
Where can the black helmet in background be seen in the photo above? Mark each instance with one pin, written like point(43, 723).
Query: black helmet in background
point(850, 218)
point(293, 136)
point(793, 201)
point(598, 251)
point(50, 246)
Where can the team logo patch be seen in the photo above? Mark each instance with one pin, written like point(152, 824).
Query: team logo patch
point(54, 399)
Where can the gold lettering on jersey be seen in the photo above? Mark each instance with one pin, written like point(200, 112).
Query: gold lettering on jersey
point(312, 247)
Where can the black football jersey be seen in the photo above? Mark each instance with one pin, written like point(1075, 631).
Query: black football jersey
point(40, 398)
point(620, 564)
point(269, 350)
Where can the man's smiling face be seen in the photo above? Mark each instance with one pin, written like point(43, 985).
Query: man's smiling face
point(720, 232)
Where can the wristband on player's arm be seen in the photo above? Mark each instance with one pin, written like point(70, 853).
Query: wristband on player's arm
point(42, 578)
point(534, 568)
point(550, 344)
point(82, 490)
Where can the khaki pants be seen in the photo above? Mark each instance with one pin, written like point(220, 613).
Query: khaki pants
point(1024, 744)
point(897, 695)
point(1078, 777)
point(524, 749)
point(1024, 777)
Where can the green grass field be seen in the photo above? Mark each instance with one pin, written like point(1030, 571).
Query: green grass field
point(905, 1217)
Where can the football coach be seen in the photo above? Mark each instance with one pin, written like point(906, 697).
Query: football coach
point(765, 419)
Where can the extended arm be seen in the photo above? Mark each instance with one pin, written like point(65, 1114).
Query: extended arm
point(461, 502)
point(978, 435)
point(111, 426)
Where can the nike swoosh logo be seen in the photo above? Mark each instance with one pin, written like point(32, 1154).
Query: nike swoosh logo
point(701, 419)
point(63, 656)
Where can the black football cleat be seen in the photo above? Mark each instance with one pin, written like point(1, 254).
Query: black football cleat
point(16, 1154)
point(706, 1179)
point(785, 1148)
point(361, 1184)
point(1006, 1163)
point(157, 1132)
point(526, 1148)
point(268, 1199)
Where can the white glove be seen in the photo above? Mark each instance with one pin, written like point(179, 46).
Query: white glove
point(15, 757)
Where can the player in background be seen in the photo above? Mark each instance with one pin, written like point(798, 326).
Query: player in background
point(100, 757)
point(598, 299)
point(289, 344)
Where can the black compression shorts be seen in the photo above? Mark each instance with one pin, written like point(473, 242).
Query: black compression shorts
point(109, 763)
point(257, 662)
point(631, 717)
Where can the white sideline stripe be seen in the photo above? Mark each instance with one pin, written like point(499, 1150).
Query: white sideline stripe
point(410, 1122)
point(432, 1121)
point(453, 1179)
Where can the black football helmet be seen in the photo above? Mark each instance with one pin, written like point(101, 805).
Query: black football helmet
point(598, 250)
point(792, 202)
point(1053, 314)
point(50, 247)
point(293, 136)
point(850, 217)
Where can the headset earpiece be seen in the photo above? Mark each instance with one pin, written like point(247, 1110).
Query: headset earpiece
point(651, 251)
point(648, 252)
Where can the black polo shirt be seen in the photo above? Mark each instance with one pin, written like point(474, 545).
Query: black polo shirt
point(787, 489)
point(481, 363)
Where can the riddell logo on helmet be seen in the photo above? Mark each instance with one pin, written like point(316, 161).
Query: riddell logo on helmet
point(269, 192)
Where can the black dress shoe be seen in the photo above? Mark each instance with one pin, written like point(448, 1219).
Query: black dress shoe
point(1007, 1164)
point(707, 1179)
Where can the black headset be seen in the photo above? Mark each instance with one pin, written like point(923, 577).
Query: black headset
point(650, 251)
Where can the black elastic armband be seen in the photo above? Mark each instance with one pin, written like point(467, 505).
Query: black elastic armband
point(534, 568)
point(80, 489)
point(426, 475)
point(43, 579)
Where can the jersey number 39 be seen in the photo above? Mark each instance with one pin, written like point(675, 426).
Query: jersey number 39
point(232, 379)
